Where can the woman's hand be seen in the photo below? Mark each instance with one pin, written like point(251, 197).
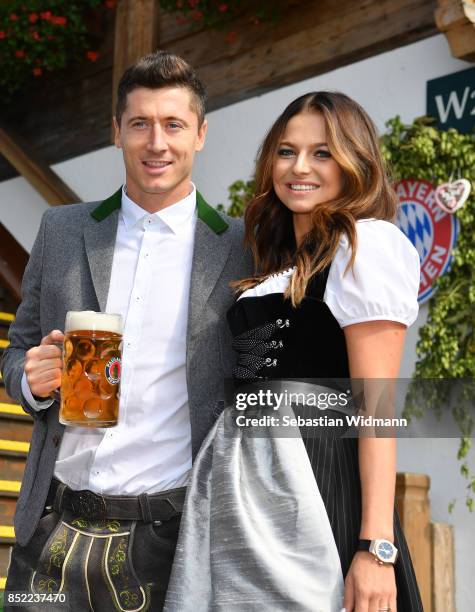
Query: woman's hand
point(369, 587)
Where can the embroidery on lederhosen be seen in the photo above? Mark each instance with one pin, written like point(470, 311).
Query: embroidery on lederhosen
point(125, 587)
point(50, 577)
point(77, 548)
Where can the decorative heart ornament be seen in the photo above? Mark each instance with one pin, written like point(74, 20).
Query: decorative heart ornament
point(451, 196)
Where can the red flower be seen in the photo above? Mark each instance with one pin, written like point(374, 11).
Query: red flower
point(37, 72)
point(46, 15)
point(197, 15)
point(231, 37)
point(35, 35)
point(33, 17)
point(110, 4)
point(92, 55)
point(59, 20)
point(222, 8)
point(2, 34)
point(20, 53)
point(193, 3)
point(13, 17)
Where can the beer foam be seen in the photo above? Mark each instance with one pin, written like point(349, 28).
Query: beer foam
point(93, 321)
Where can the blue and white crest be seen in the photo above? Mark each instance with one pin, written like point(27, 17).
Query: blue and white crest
point(431, 230)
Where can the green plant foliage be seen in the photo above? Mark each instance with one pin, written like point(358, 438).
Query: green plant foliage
point(240, 192)
point(40, 36)
point(446, 346)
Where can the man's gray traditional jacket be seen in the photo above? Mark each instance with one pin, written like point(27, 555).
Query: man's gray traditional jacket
point(69, 269)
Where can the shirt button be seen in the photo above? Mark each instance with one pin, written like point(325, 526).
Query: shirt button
point(137, 298)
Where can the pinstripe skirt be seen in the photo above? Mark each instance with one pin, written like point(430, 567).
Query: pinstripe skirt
point(334, 461)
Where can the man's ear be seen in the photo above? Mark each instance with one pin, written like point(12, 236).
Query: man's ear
point(116, 133)
point(201, 135)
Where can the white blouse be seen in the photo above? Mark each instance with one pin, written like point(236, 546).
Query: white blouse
point(382, 285)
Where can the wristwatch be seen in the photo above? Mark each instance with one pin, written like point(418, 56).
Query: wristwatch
point(383, 550)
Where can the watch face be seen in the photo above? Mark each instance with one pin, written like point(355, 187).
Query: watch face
point(385, 550)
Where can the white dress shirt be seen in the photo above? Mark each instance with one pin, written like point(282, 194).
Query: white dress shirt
point(150, 448)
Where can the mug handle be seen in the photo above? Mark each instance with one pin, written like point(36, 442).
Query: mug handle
point(56, 393)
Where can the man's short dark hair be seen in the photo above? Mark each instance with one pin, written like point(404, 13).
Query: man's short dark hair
point(157, 70)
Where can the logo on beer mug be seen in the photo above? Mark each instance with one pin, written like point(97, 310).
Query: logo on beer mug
point(113, 368)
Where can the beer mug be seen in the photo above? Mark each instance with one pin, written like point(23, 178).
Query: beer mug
point(91, 369)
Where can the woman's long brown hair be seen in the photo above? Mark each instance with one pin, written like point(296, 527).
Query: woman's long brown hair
point(353, 142)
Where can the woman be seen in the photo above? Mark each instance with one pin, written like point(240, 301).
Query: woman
point(275, 523)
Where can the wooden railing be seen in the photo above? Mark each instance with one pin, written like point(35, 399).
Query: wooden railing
point(15, 432)
point(431, 544)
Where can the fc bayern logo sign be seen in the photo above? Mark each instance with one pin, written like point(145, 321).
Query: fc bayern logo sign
point(431, 230)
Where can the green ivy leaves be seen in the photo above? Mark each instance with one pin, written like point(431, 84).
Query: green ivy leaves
point(446, 346)
point(239, 193)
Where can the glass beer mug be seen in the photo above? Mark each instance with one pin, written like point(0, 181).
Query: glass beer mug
point(91, 369)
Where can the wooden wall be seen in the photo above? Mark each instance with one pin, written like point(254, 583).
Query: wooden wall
point(70, 114)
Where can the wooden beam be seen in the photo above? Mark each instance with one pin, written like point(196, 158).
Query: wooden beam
point(136, 34)
point(469, 10)
point(51, 187)
point(456, 19)
point(443, 568)
point(462, 42)
point(13, 260)
point(310, 39)
point(413, 505)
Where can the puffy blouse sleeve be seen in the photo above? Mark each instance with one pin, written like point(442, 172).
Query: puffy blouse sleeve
point(384, 281)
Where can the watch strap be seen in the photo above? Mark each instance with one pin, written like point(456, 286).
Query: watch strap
point(364, 545)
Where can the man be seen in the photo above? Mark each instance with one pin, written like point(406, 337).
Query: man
point(98, 513)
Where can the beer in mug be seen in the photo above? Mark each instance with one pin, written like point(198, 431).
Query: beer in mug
point(91, 369)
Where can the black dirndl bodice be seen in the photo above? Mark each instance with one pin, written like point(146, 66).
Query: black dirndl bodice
point(273, 340)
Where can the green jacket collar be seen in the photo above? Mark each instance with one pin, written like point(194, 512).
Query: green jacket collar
point(206, 213)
